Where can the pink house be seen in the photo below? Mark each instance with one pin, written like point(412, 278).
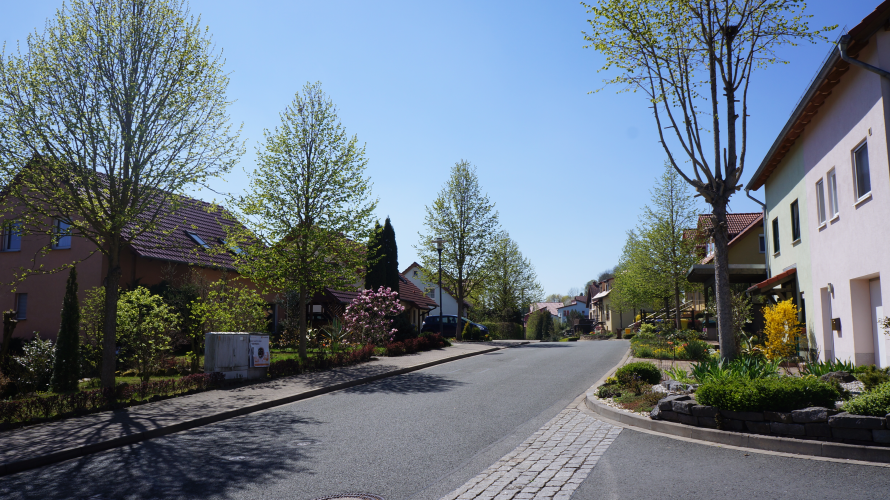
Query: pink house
point(827, 190)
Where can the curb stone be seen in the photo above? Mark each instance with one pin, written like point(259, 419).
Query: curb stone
point(87, 449)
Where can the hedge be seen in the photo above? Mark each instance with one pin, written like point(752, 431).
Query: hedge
point(875, 402)
point(504, 330)
point(647, 372)
point(767, 394)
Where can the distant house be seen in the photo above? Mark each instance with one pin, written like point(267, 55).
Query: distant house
point(578, 304)
point(552, 307)
point(827, 195)
point(188, 239)
point(431, 290)
point(601, 313)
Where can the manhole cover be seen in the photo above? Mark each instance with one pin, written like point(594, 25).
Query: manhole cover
point(352, 496)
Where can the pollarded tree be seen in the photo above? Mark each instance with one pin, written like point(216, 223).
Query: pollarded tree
point(308, 210)
point(467, 220)
point(694, 60)
point(115, 111)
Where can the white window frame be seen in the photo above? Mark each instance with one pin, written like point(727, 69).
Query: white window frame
point(820, 201)
point(860, 194)
point(11, 237)
point(61, 235)
point(833, 205)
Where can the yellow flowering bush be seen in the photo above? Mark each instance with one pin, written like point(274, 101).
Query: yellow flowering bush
point(782, 330)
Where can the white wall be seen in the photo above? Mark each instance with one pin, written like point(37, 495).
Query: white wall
point(449, 304)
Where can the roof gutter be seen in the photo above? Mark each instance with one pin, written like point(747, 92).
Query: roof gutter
point(842, 45)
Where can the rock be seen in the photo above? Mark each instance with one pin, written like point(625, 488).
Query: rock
point(674, 386)
point(753, 416)
point(778, 416)
point(733, 425)
point(665, 403)
point(709, 422)
point(881, 436)
point(818, 430)
point(668, 415)
point(705, 411)
point(687, 419)
point(655, 414)
point(848, 421)
point(757, 427)
point(844, 377)
point(810, 415)
point(787, 429)
point(683, 406)
point(857, 434)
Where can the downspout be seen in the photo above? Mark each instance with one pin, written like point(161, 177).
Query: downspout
point(765, 233)
point(842, 45)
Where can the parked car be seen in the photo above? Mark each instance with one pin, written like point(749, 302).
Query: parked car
point(449, 325)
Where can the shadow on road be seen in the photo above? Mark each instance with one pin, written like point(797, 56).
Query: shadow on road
point(217, 460)
point(545, 345)
point(409, 383)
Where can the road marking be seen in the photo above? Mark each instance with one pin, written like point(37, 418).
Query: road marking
point(552, 463)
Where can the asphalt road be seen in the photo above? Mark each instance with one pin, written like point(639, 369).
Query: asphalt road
point(418, 436)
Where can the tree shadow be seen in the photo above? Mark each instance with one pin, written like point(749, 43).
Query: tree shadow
point(545, 345)
point(216, 460)
point(408, 383)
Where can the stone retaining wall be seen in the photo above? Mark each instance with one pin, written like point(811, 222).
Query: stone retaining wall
point(809, 423)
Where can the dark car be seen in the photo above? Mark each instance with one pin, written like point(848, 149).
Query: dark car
point(449, 325)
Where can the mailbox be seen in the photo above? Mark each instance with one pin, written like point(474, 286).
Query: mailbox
point(237, 354)
point(836, 324)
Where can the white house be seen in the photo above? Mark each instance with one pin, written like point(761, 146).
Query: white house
point(431, 290)
point(577, 304)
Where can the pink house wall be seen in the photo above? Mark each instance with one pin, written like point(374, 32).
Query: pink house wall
point(853, 248)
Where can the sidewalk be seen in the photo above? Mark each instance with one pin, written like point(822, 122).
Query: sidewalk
point(43, 444)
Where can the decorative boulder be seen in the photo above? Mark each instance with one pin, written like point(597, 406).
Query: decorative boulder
point(843, 377)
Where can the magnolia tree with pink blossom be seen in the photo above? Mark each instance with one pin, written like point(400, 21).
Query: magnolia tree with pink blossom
point(368, 320)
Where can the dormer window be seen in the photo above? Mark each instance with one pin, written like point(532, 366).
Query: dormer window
point(197, 239)
point(232, 248)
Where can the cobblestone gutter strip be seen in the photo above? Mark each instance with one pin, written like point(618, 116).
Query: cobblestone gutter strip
point(79, 449)
point(551, 464)
point(742, 440)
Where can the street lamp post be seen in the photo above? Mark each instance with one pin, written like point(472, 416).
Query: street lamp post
point(440, 245)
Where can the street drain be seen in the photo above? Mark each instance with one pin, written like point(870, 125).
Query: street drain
point(352, 496)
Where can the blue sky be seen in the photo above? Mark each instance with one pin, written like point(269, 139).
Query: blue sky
point(501, 84)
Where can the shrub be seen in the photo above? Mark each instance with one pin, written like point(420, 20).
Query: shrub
point(504, 330)
point(471, 332)
point(773, 394)
point(872, 376)
point(781, 329)
point(875, 402)
point(368, 319)
point(647, 331)
point(696, 350)
point(647, 372)
point(643, 351)
point(608, 391)
point(395, 349)
point(750, 367)
point(144, 322)
point(819, 368)
point(33, 370)
point(66, 365)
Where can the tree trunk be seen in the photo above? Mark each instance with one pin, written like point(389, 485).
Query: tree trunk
point(9, 323)
point(304, 304)
point(677, 303)
point(721, 282)
point(109, 326)
point(458, 335)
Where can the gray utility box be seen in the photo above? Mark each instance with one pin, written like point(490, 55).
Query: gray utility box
point(237, 354)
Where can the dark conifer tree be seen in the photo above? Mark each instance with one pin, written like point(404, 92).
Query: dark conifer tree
point(373, 270)
point(66, 366)
point(390, 257)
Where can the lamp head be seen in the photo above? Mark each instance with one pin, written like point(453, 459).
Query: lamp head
point(440, 243)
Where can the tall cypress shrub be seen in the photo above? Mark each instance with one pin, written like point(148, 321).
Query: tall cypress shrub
point(373, 269)
point(66, 367)
point(390, 257)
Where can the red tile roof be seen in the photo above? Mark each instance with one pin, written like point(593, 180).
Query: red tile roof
point(410, 293)
point(757, 222)
point(735, 222)
point(170, 242)
point(763, 285)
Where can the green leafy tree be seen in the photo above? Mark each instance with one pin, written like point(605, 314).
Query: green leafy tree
point(114, 112)
point(383, 259)
point(231, 307)
point(512, 283)
point(145, 323)
point(92, 319)
point(66, 364)
point(694, 61)
point(469, 222)
point(307, 208)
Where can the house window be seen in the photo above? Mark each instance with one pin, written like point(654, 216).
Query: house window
point(820, 201)
point(762, 241)
point(431, 293)
point(795, 221)
point(232, 248)
point(197, 239)
point(415, 273)
point(776, 235)
point(11, 237)
point(860, 171)
point(832, 193)
point(21, 306)
point(61, 235)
